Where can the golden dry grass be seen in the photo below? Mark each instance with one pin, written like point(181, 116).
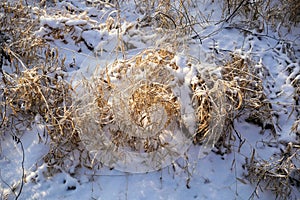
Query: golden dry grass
point(36, 86)
point(23, 42)
point(239, 91)
point(133, 112)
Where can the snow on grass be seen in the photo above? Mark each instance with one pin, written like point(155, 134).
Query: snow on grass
point(219, 175)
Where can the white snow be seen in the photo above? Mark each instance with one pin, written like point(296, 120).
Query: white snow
point(211, 177)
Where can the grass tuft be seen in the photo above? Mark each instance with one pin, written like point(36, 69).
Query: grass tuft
point(278, 175)
point(239, 92)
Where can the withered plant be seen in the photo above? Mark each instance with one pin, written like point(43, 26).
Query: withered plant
point(22, 43)
point(278, 175)
point(115, 107)
point(255, 14)
point(33, 83)
point(239, 92)
point(130, 107)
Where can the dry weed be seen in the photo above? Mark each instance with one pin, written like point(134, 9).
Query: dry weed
point(242, 78)
point(146, 79)
point(238, 93)
point(34, 94)
point(245, 97)
point(167, 16)
point(23, 42)
point(257, 13)
point(130, 110)
point(279, 175)
point(33, 84)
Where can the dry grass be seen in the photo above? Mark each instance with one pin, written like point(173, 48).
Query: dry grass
point(128, 95)
point(255, 13)
point(23, 42)
point(148, 95)
point(240, 73)
point(213, 111)
point(171, 20)
point(238, 93)
point(33, 84)
point(278, 175)
point(30, 94)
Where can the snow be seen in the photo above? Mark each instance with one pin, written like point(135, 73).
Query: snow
point(211, 177)
point(91, 38)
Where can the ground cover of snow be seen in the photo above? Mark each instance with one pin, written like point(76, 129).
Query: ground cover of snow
point(88, 38)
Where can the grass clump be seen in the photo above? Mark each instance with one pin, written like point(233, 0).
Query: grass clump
point(278, 175)
point(132, 108)
point(220, 101)
point(23, 43)
point(239, 93)
point(128, 93)
point(255, 14)
point(33, 84)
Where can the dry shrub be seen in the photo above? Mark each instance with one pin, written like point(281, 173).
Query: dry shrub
point(279, 175)
point(214, 110)
point(33, 93)
point(19, 23)
point(168, 15)
point(241, 73)
point(148, 95)
point(245, 95)
point(285, 12)
point(151, 92)
point(33, 85)
point(293, 6)
point(131, 109)
point(20, 47)
point(203, 101)
point(145, 96)
point(174, 15)
point(272, 12)
point(238, 93)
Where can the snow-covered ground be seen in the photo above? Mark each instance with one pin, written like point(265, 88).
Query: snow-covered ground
point(87, 36)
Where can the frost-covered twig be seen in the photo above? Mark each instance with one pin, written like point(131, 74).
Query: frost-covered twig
point(18, 141)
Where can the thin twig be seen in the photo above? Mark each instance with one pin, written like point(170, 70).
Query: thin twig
point(18, 141)
point(233, 13)
point(5, 183)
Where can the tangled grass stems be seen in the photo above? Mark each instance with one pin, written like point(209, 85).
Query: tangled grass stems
point(146, 96)
point(279, 175)
point(133, 107)
point(256, 14)
point(239, 92)
point(33, 84)
point(33, 93)
point(23, 42)
point(37, 89)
